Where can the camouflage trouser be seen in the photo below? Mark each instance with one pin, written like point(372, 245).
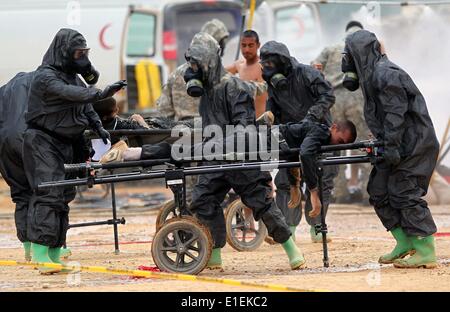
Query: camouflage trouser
point(350, 105)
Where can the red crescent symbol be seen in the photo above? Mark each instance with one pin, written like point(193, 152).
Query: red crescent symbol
point(301, 25)
point(101, 38)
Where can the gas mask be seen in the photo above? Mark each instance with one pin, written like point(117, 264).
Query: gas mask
point(351, 80)
point(83, 66)
point(275, 73)
point(193, 78)
point(91, 76)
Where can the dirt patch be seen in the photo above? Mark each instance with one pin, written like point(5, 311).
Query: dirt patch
point(358, 240)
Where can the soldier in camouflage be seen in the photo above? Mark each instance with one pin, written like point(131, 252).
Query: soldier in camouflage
point(348, 105)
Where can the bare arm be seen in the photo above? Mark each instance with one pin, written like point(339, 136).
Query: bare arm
point(232, 69)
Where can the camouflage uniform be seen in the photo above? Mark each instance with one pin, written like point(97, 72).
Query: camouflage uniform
point(216, 29)
point(348, 105)
point(174, 102)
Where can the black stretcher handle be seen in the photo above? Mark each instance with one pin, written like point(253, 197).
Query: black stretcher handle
point(83, 167)
point(137, 176)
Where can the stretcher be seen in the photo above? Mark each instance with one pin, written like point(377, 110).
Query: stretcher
point(182, 244)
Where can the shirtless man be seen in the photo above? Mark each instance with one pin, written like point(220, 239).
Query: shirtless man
point(249, 68)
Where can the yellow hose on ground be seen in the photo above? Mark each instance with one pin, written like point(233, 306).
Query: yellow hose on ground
point(163, 275)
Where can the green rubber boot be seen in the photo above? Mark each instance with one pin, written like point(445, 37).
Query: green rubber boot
point(293, 228)
point(40, 254)
point(424, 257)
point(403, 247)
point(27, 249)
point(215, 261)
point(55, 255)
point(317, 238)
point(296, 259)
point(65, 253)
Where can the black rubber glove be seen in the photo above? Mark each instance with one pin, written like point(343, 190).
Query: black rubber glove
point(278, 137)
point(284, 147)
point(103, 134)
point(316, 114)
point(391, 156)
point(111, 89)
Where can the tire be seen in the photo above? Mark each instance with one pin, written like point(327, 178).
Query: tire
point(238, 225)
point(170, 253)
point(166, 212)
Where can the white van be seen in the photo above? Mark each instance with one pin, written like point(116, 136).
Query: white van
point(144, 40)
point(27, 28)
point(148, 57)
point(156, 38)
point(138, 40)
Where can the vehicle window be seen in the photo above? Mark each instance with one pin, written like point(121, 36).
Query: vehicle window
point(297, 27)
point(141, 35)
point(188, 23)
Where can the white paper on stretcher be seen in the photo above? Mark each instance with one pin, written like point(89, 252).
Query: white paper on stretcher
point(100, 148)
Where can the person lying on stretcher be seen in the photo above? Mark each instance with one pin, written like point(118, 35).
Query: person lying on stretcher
point(307, 135)
point(108, 111)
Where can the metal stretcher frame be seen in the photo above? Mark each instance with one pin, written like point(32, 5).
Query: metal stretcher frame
point(175, 174)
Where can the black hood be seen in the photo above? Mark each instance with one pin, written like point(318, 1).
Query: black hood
point(60, 51)
point(204, 49)
point(364, 47)
point(277, 48)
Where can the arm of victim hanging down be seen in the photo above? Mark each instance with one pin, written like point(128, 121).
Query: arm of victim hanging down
point(155, 174)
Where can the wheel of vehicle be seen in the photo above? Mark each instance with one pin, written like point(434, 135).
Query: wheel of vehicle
point(166, 212)
point(243, 232)
point(182, 245)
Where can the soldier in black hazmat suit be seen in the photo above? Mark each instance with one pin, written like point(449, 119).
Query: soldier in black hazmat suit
point(396, 113)
point(59, 111)
point(226, 100)
point(13, 104)
point(297, 91)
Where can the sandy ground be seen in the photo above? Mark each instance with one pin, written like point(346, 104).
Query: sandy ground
point(358, 240)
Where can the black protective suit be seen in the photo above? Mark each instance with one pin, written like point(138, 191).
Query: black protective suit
point(59, 111)
point(307, 94)
point(228, 101)
point(396, 113)
point(13, 104)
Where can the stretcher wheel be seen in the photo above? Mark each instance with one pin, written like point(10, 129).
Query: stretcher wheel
point(243, 232)
point(182, 245)
point(166, 212)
